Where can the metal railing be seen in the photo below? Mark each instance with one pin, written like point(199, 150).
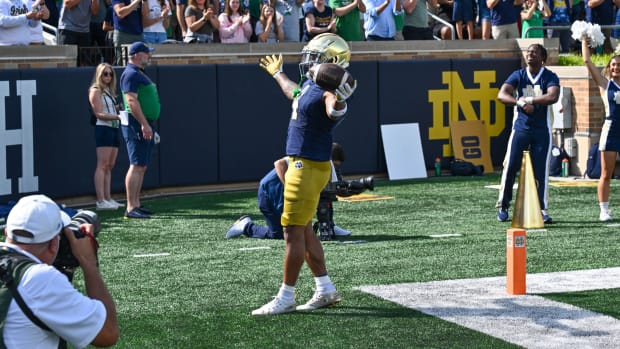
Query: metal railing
point(564, 27)
point(50, 34)
point(444, 22)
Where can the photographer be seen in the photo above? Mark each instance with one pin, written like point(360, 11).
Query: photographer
point(32, 236)
point(271, 201)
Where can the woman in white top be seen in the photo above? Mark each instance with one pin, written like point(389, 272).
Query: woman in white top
point(269, 26)
point(155, 21)
point(101, 96)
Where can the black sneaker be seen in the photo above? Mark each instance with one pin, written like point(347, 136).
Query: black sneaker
point(145, 210)
point(135, 213)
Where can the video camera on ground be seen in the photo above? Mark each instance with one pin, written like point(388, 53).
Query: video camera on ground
point(65, 261)
point(325, 211)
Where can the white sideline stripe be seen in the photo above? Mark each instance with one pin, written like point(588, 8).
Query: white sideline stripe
point(152, 255)
point(437, 236)
point(255, 248)
point(528, 320)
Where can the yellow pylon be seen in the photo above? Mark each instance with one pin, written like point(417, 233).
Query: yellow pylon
point(527, 213)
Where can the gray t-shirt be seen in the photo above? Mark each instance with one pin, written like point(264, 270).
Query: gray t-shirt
point(77, 18)
point(418, 18)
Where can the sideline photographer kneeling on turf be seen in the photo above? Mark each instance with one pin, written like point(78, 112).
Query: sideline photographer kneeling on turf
point(39, 304)
point(271, 202)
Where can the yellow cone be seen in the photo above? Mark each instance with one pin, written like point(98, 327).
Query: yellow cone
point(527, 213)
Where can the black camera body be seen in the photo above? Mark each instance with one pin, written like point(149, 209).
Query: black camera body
point(65, 261)
point(325, 211)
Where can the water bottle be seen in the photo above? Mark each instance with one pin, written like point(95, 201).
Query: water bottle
point(437, 166)
point(565, 167)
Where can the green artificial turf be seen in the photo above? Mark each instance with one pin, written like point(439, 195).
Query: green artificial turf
point(202, 293)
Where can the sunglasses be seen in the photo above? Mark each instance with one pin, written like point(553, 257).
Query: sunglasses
point(105, 73)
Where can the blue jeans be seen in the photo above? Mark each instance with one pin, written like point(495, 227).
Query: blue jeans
point(154, 38)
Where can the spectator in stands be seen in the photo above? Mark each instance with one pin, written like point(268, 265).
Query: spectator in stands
point(615, 33)
point(74, 26)
point(156, 21)
point(379, 22)
point(504, 18)
point(108, 28)
point(35, 27)
point(600, 12)
point(399, 20)
point(463, 12)
point(235, 24)
point(181, 5)
point(98, 35)
point(102, 99)
point(578, 12)
point(253, 8)
point(128, 28)
point(348, 22)
point(319, 19)
point(416, 24)
point(532, 16)
point(484, 19)
point(269, 26)
point(201, 21)
point(444, 12)
point(560, 15)
point(290, 11)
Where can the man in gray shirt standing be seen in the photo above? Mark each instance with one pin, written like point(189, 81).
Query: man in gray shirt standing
point(74, 25)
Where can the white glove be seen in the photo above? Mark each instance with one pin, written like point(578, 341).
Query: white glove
point(345, 91)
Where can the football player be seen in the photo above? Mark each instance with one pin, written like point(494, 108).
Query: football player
point(315, 112)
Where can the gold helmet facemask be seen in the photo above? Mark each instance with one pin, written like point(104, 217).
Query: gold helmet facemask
point(324, 48)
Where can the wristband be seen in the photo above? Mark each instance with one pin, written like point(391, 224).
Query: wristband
point(529, 100)
point(521, 103)
point(276, 73)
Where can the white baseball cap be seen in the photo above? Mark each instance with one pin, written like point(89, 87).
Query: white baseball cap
point(35, 219)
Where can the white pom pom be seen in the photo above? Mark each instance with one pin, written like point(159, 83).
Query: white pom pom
point(579, 28)
point(596, 36)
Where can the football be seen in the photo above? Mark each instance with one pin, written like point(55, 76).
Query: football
point(330, 76)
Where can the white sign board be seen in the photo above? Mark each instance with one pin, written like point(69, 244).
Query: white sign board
point(403, 151)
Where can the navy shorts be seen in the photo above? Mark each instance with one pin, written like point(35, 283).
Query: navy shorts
point(463, 11)
point(138, 148)
point(106, 136)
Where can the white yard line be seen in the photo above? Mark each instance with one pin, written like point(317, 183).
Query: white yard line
point(527, 320)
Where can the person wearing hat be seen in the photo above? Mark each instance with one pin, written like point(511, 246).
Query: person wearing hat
point(141, 102)
point(33, 227)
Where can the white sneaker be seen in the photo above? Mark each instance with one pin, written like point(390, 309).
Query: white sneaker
point(238, 227)
point(105, 205)
point(276, 306)
point(321, 301)
point(116, 203)
point(605, 216)
point(341, 232)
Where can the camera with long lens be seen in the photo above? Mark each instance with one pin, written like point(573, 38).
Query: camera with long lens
point(325, 210)
point(65, 261)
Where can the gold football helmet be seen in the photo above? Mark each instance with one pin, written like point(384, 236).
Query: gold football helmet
point(325, 48)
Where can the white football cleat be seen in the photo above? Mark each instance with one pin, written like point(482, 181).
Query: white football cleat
point(605, 216)
point(275, 307)
point(321, 301)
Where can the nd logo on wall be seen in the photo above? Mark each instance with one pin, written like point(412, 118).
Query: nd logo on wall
point(460, 103)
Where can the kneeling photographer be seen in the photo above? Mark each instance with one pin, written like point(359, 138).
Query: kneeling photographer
point(271, 202)
point(41, 305)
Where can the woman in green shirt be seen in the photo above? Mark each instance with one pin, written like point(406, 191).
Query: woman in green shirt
point(532, 16)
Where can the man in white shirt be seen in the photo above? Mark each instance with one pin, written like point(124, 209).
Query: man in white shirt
point(33, 229)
